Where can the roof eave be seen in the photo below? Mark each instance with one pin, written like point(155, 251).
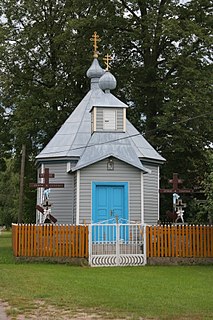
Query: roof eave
point(153, 160)
point(56, 159)
point(140, 167)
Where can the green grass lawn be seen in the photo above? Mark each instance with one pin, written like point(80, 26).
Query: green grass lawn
point(151, 292)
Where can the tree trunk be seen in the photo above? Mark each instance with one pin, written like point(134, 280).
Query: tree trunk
point(21, 190)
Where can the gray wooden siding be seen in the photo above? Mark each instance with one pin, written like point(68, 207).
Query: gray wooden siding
point(98, 172)
point(119, 119)
point(120, 114)
point(99, 119)
point(151, 194)
point(62, 200)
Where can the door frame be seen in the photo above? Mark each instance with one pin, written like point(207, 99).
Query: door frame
point(125, 185)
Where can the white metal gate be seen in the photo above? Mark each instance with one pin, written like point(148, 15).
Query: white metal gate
point(118, 244)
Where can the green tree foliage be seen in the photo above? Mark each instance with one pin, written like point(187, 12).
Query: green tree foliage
point(9, 186)
point(208, 188)
point(201, 210)
point(40, 67)
point(3, 139)
point(167, 47)
point(42, 79)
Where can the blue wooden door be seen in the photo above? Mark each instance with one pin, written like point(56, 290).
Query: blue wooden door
point(110, 203)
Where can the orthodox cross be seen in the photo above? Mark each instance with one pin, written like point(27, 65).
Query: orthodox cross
point(46, 175)
point(46, 184)
point(180, 205)
point(107, 60)
point(95, 38)
point(175, 182)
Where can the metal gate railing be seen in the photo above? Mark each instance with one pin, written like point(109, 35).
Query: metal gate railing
point(118, 244)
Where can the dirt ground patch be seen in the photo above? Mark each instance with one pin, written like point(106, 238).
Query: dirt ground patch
point(48, 312)
point(3, 315)
point(43, 312)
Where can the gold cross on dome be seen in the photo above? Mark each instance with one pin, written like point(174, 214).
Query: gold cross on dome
point(107, 60)
point(95, 38)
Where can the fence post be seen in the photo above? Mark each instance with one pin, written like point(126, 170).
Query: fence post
point(90, 244)
point(147, 241)
point(117, 244)
point(15, 239)
point(144, 239)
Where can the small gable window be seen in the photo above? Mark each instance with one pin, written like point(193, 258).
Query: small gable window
point(109, 119)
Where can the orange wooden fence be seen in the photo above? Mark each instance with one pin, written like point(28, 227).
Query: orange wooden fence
point(179, 241)
point(30, 240)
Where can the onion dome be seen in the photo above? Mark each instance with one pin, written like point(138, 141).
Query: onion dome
point(107, 82)
point(95, 71)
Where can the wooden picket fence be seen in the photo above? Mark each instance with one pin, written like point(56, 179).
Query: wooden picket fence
point(30, 240)
point(179, 241)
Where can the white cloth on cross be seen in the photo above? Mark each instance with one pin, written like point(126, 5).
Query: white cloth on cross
point(47, 212)
point(175, 197)
point(46, 193)
point(180, 213)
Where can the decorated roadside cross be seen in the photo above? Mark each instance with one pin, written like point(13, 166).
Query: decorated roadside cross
point(46, 184)
point(177, 203)
point(45, 209)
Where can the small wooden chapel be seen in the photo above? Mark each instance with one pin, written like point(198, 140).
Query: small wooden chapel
point(108, 169)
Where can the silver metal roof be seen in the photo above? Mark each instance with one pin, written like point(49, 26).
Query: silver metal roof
point(104, 145)
point(74, 138)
